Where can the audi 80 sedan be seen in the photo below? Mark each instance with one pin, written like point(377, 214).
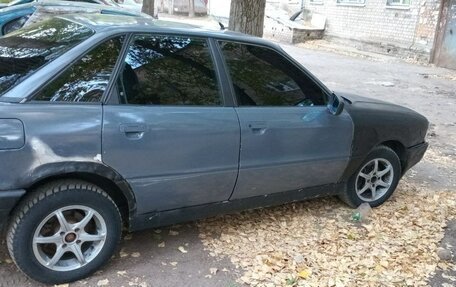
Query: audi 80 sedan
point(109, 121)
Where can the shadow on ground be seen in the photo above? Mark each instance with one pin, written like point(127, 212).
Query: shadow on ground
point(141, 262)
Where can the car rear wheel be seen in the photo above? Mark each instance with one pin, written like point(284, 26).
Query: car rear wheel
point(64, 232)
point(375, 180)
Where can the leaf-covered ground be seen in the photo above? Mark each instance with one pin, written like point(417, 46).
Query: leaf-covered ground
point(315, 243)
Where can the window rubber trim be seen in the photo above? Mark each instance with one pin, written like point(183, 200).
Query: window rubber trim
point(109, 100)
point(31, 98)
point(282, 53)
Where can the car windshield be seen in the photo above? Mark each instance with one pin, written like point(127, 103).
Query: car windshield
point(24, 52)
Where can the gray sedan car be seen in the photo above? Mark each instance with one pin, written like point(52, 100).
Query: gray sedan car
point(108, 121)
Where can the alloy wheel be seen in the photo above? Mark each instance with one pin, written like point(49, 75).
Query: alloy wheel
point(374, 179)
point(69, 238)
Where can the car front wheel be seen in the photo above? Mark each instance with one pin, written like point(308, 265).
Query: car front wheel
point(64, 231)
point(375, 180)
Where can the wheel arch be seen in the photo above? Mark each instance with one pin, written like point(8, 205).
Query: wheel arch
point(399, 149)
point(96, 173)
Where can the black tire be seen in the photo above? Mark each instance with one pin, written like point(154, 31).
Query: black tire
point(35, 207)
point(350, 197)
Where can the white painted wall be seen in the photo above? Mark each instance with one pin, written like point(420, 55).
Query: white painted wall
point(219, 8)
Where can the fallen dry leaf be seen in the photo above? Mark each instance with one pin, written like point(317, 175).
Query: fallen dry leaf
point(213, 271)
point(104, 282)
point(161, 245)
point(135, 254)
point(173, 232)
point(123, 253)
point(304, 274)
point(396, 248)
point(182, 249)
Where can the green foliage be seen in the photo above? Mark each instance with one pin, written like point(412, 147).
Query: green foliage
point(292, 281)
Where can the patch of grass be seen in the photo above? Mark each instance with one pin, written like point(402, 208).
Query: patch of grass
point(292, 281)
point(5, 1)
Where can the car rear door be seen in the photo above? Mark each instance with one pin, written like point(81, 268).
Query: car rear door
point(167, 128)
point(289, 140)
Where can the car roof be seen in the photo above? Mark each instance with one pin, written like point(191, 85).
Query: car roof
point(103, 22)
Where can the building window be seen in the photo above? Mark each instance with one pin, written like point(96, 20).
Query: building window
point(316, 1)
point(352, 2)
point(398, 2)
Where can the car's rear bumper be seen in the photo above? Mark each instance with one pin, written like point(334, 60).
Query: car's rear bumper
point(415, 154)
point(8, 200)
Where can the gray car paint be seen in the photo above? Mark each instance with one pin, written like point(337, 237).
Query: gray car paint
point(52, 136)
point(173, 156)
point(11, 134)
point(289, 148)
point(62, 138)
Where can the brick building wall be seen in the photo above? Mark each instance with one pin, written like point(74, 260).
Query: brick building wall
point(407, 30)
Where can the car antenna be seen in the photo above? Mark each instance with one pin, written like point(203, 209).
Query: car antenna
point(222, 27)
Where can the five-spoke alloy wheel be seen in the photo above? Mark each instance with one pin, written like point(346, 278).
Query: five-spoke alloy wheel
point(64, 231)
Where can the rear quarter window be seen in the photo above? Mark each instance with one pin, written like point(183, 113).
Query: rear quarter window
point(25, 51)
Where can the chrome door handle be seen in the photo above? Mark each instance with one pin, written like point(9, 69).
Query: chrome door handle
point(258, 127)
point(133, 131)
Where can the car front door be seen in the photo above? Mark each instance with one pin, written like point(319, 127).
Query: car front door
point(170, 134)
point(289, 139)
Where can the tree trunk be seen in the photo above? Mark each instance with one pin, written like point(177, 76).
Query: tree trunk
point(148, 7)
point(191, 8)
point(170, 7)
point(162, 6)
point(247, 16)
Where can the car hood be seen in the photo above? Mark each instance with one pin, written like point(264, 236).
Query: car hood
point(374, 108)
point(370, 103)
point(353, 98)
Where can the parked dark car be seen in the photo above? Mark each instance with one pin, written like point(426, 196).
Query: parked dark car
point(16, 16)
point(101, 2)
point(108, 121)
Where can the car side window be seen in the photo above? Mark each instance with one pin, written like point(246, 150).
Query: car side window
point(87, 79)
point(169, 70)
point(263, 77)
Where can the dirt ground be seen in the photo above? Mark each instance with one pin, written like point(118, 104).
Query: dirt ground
point(176, 256)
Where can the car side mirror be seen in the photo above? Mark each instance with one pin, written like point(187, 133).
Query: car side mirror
point(335, 104)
